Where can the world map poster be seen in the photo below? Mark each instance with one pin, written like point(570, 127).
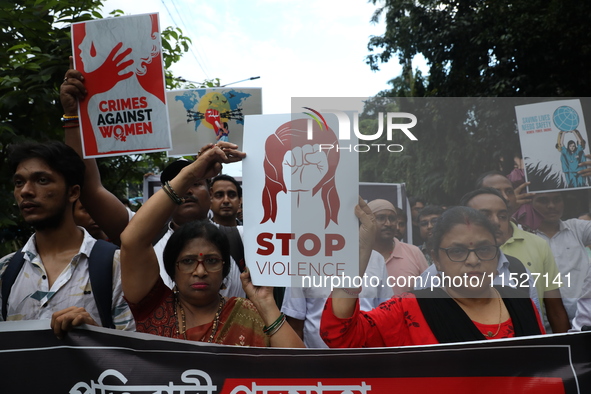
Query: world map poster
point(202, 116)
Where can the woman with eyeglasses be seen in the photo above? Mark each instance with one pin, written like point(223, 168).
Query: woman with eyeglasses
point(197, 258)
point(465, 308)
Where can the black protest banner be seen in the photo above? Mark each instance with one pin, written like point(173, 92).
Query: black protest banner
point(106, 361)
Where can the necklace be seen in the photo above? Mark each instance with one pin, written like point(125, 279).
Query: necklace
point(489, 334)
point(182, 323)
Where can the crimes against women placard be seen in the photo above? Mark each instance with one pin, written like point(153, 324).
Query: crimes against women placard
point(125, 108)
point(202, 116)
point(554, 142)
point(299, 198)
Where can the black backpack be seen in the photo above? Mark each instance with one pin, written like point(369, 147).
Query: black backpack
point(100, 269)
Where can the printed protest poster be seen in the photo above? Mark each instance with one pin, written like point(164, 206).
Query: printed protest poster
point(553, 142)
point(125, 108)
point(300, 187)
point(202, 116)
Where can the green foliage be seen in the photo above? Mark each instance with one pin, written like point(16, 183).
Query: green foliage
point(490, 48)
point(473, 48)
point(35, 44)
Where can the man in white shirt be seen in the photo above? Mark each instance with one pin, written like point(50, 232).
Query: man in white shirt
point(567, 240)
point(54, 281)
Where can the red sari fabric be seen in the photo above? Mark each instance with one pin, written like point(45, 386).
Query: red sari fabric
point(396, 322)
point(240, 323)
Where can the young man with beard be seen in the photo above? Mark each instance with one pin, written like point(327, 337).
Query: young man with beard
point(54, 281)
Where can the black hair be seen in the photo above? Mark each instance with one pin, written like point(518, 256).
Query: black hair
point(458, 215)
point(483, 190)
point(224, 177)
point(480, 179)
point(173, 169)
point(431, 210)
point(413, 200)
point(401, 214)
point(195, 229)
point(57, 155)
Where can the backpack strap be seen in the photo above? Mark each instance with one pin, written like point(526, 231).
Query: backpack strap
point(236, 245)
point(9, 276)
point(100, 270)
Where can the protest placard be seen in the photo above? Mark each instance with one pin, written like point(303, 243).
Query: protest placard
point(300, 190)
point(125, 109)
point(554, 142)
point(202, 116)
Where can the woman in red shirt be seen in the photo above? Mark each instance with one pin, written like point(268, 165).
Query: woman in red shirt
point(465, 308)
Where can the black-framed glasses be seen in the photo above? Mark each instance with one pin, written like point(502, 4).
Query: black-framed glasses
point(211, 264)
point(459, 254)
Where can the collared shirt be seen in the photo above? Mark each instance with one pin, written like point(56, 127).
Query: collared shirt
point(405, 261)
point(31, 298)
point(536, 256)
point(503, 278)
point(308, 303)
point(568, 248)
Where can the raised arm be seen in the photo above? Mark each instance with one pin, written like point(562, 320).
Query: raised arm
point(139, 265)
point(560, 141)
point(580, 139)
point(94, 197)
point(344, 300)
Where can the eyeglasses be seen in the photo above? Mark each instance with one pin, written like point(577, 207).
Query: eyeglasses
point(459, 254)
point(382, 218)
point(425, 223)
point(211, 264)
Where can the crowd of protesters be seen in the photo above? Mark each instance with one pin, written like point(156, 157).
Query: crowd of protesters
point(176, 267)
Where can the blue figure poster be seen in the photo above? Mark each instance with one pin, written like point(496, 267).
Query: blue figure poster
point(202, 116)
point(554, 143)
